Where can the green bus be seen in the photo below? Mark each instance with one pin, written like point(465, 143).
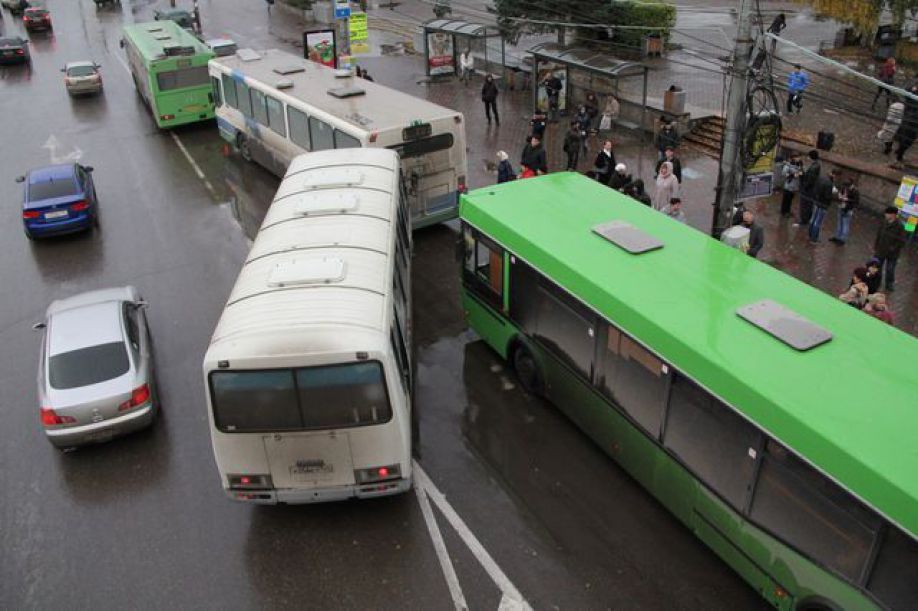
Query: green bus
point(776, 422)
point(169, 68)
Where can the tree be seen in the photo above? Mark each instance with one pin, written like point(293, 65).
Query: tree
point(864, 15)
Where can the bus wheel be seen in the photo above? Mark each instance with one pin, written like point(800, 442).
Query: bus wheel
point(527, 370)
point(242, 143)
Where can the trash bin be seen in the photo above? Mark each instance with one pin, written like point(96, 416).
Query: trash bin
point(674, 101)
point(653, 45)
point(825, 140)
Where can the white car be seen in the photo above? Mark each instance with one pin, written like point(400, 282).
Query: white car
point(82, 77)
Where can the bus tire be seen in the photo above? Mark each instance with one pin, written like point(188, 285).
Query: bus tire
point(526, 369)
point(245, 149)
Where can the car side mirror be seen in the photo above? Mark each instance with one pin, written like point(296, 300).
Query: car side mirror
point(141, 304)
point(20, 179)
point(63, 69)
point(39, 325)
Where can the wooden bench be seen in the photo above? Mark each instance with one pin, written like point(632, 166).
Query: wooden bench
point(626, 124)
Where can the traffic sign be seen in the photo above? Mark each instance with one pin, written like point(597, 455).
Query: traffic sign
point(342, 9)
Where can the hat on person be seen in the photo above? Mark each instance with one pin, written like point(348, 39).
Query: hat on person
point(620, 167)
point(502, 155)
point(891, 210)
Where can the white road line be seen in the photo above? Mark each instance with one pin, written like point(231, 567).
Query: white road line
point(511, 599)
point(194, 164)
point(446, 564)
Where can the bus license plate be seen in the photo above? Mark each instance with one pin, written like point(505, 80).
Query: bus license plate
point(55, 214)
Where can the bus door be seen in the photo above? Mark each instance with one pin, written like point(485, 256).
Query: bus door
point(309, 460)
point(428, 174)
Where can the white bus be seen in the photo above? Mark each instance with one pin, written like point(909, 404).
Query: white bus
point(273, 106)
point(309, 372)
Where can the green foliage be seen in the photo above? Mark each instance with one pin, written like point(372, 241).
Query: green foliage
point(512, 16)
point(303, 4)
point(864, 15)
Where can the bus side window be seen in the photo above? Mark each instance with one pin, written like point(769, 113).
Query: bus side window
point(813, 514)
point(565, 327)
point(259, 109)
point(229, 91)
point(635, 379)
point(894, 579)
point(218, 98)
point(345, 141)
point(484, 267)
point(276, 116)
point(712, 440)
point(245, 103)
point(321, 134)
point(299, 128)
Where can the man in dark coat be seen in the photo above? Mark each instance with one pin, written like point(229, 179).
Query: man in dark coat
point(756, 234)
point(908, 129)
point(824, 194)
point(489, 97)
point(808, 188)
point(668, 137)
point(572, 147)
point(533, 156)
point(620, 177)
point(888, 244)
point(605, 163)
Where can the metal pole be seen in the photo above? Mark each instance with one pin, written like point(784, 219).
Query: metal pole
point(731, 168)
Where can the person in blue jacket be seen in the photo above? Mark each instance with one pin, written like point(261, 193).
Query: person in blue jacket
point(797, 82)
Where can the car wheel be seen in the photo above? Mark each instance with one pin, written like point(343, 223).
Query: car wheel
point(527, 370)
point(245, 149)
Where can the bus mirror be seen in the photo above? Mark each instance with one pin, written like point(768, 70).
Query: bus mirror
point(121, 43)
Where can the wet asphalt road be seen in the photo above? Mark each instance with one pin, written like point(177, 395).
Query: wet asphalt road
point(142, 522)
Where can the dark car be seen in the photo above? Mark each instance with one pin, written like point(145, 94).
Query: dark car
point(58, 199)
point(180, 16)
point(35, 19)
point(13, 50)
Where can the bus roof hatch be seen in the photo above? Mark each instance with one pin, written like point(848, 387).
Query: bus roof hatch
point(627, 237)
point(784, 324)
point(316, 270)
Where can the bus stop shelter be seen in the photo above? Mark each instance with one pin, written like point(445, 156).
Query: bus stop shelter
point(445, 39)
point(581, 70)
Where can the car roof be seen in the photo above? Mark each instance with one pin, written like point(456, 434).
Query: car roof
point(88, 325)
point(51, 172)
point(121, 293)
point(79, 64)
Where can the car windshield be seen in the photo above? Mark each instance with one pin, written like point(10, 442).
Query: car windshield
point(50, 189)
point(87, 366)
point(36, 12)
point(81, 71)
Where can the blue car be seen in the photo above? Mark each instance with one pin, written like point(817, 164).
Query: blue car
point(58, 199)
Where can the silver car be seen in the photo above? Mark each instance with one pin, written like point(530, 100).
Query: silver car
point(82, 77)
point(95, 379)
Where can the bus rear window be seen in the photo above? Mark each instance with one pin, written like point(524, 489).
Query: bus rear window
point(182, 78)
point(334, 396)
point(424, 146)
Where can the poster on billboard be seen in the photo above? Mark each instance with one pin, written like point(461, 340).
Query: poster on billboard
point(359, 35)
point(907, 202)
point(440, 54)
point(551, 73)
point(319, 46)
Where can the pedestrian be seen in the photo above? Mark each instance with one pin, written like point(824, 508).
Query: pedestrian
point(849, 198)
point(888, 244)
point(666, 187)
point(856, 295)
point(635, 190)
point(466, 65)
point(908, 129)
point(756, 233)
point(670, 155)
point(797, 82)
point(873, 275)
point(505, 171)
point(887, 133)
point(609, 114)
point(666, 137)
point(572, 146)
point(533, 156)
point(620, 177)
point(808, 188)
point(553, 87)
point(537, 125)
point(792, 170)
point(879, 309)
point(582, 119)
point(605, 163)
point(358, 72)
point(592, 108)
point(777, 24)
point(825, 192)
point(887, 74)
point(489, 97)
point(366, 76)
point(674, 210)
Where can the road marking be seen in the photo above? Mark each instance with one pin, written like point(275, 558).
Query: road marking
point(511, 597)
point(52, 144)
point(446, 564)
point(194, 164)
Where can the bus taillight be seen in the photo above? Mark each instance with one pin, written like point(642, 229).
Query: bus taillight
point(377, 474)
point(246, 481)
point(462, 187)
point(166, 117)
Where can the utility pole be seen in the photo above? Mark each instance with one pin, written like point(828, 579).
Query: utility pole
point(730, 175)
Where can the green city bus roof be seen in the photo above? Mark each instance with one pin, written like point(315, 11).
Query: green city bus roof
point(153, 37)
point(850, 406)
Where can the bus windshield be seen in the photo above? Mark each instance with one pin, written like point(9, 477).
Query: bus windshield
point(307, 398)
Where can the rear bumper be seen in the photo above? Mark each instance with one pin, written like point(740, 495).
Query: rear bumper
point(100, 432)
point(294, 496)
point(87, 88)
point(37, 26)
point(68, 225)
